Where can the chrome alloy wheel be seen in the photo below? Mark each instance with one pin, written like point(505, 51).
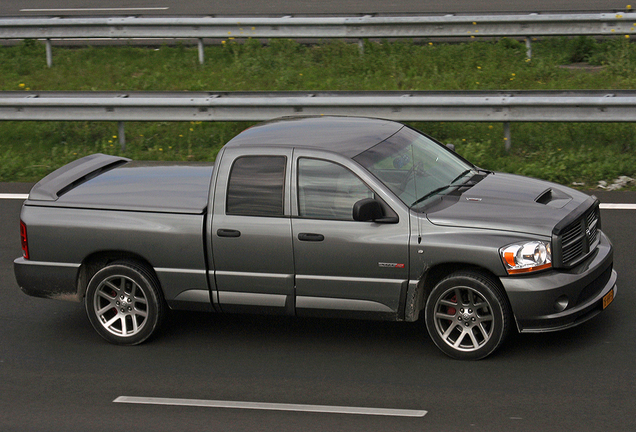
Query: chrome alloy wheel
point(121, 306)
point(464, 319)
point(124, 302)
point(468, 315)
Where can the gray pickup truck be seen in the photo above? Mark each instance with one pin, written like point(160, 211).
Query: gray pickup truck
point(324, 217)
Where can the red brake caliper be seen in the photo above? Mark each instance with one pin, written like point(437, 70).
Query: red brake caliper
point(452, 310)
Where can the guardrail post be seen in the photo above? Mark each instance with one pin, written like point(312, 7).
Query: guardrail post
point(49, 53)
point(528, 48)
point(121, 133)
point(201, 52)
point(507, 135)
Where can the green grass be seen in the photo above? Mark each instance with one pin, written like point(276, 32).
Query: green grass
point(563, 152)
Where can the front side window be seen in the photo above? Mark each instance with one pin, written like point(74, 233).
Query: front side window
point(327, 190)
point(256, 186)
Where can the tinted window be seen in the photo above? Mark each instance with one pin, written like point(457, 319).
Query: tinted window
point(327, 190)
point(256, 186)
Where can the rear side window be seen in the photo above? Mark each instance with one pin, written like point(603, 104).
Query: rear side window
point(256, 186)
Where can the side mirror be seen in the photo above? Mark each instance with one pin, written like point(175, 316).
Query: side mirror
point(451, 146)
point(368, 209)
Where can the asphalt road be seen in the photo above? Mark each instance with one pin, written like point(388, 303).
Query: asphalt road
point(57, 374)
point(298, 7)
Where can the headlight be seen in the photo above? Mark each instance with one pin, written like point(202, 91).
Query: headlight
point(527, 257)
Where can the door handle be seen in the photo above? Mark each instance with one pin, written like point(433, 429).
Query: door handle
point(311, 237)
point(228, 233)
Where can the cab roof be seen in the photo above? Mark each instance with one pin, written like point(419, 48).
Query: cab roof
point(348, 136)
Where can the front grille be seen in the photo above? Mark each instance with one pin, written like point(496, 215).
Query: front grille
point(578, 239)
point(593, 219)
point(572, 242)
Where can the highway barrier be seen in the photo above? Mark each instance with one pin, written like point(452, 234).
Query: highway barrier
point(449, 106)
point(319, 28)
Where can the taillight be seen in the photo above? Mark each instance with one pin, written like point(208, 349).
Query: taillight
point(23, 240)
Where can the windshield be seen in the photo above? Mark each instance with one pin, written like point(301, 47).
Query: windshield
point(415, 167)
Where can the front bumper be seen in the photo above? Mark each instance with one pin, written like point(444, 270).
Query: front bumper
point(535, 299)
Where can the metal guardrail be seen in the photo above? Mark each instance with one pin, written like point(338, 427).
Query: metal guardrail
point(447, 26)
point(321, 27)
point(494, 106)
point(478, 106)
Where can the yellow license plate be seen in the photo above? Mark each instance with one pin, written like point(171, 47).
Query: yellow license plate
point(608, 298)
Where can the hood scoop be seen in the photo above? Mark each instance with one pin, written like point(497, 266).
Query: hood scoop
point(553, 198)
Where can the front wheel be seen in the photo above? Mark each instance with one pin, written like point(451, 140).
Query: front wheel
point(467, 316)
point(124, 303)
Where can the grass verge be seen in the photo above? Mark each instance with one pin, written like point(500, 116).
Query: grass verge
point(582, 153)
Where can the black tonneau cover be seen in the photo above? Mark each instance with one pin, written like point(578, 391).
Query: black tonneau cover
point(114, 183)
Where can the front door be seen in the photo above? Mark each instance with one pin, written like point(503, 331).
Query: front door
point(344, 267)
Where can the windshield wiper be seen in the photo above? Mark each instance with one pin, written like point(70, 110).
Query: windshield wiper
point(443, 188)
point(485, 171)
point(435, 192)
point(460, 176)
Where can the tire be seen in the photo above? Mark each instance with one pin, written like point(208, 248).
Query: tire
point(124, 303)
point(467, 316)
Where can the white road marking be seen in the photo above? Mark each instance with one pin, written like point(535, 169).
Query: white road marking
point(119, 9)
point(13, 196)
point(610, 206)
point(270, 406)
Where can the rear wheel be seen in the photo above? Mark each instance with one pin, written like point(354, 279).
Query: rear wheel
point(124, 303)
point(467, 316)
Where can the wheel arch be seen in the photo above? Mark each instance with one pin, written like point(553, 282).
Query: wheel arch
point(432, 276)
point(98, 260)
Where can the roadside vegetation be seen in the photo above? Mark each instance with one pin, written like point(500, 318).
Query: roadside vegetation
point(581, 154)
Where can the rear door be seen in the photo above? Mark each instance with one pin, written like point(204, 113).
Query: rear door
point(251, 232)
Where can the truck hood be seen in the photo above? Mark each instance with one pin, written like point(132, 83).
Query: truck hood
point(105, 182)
point(507, 202)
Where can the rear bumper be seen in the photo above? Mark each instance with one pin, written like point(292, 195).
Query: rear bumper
point(535, 299)
point(47, 279)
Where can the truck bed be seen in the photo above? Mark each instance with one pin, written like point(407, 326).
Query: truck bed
point(112, 183)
